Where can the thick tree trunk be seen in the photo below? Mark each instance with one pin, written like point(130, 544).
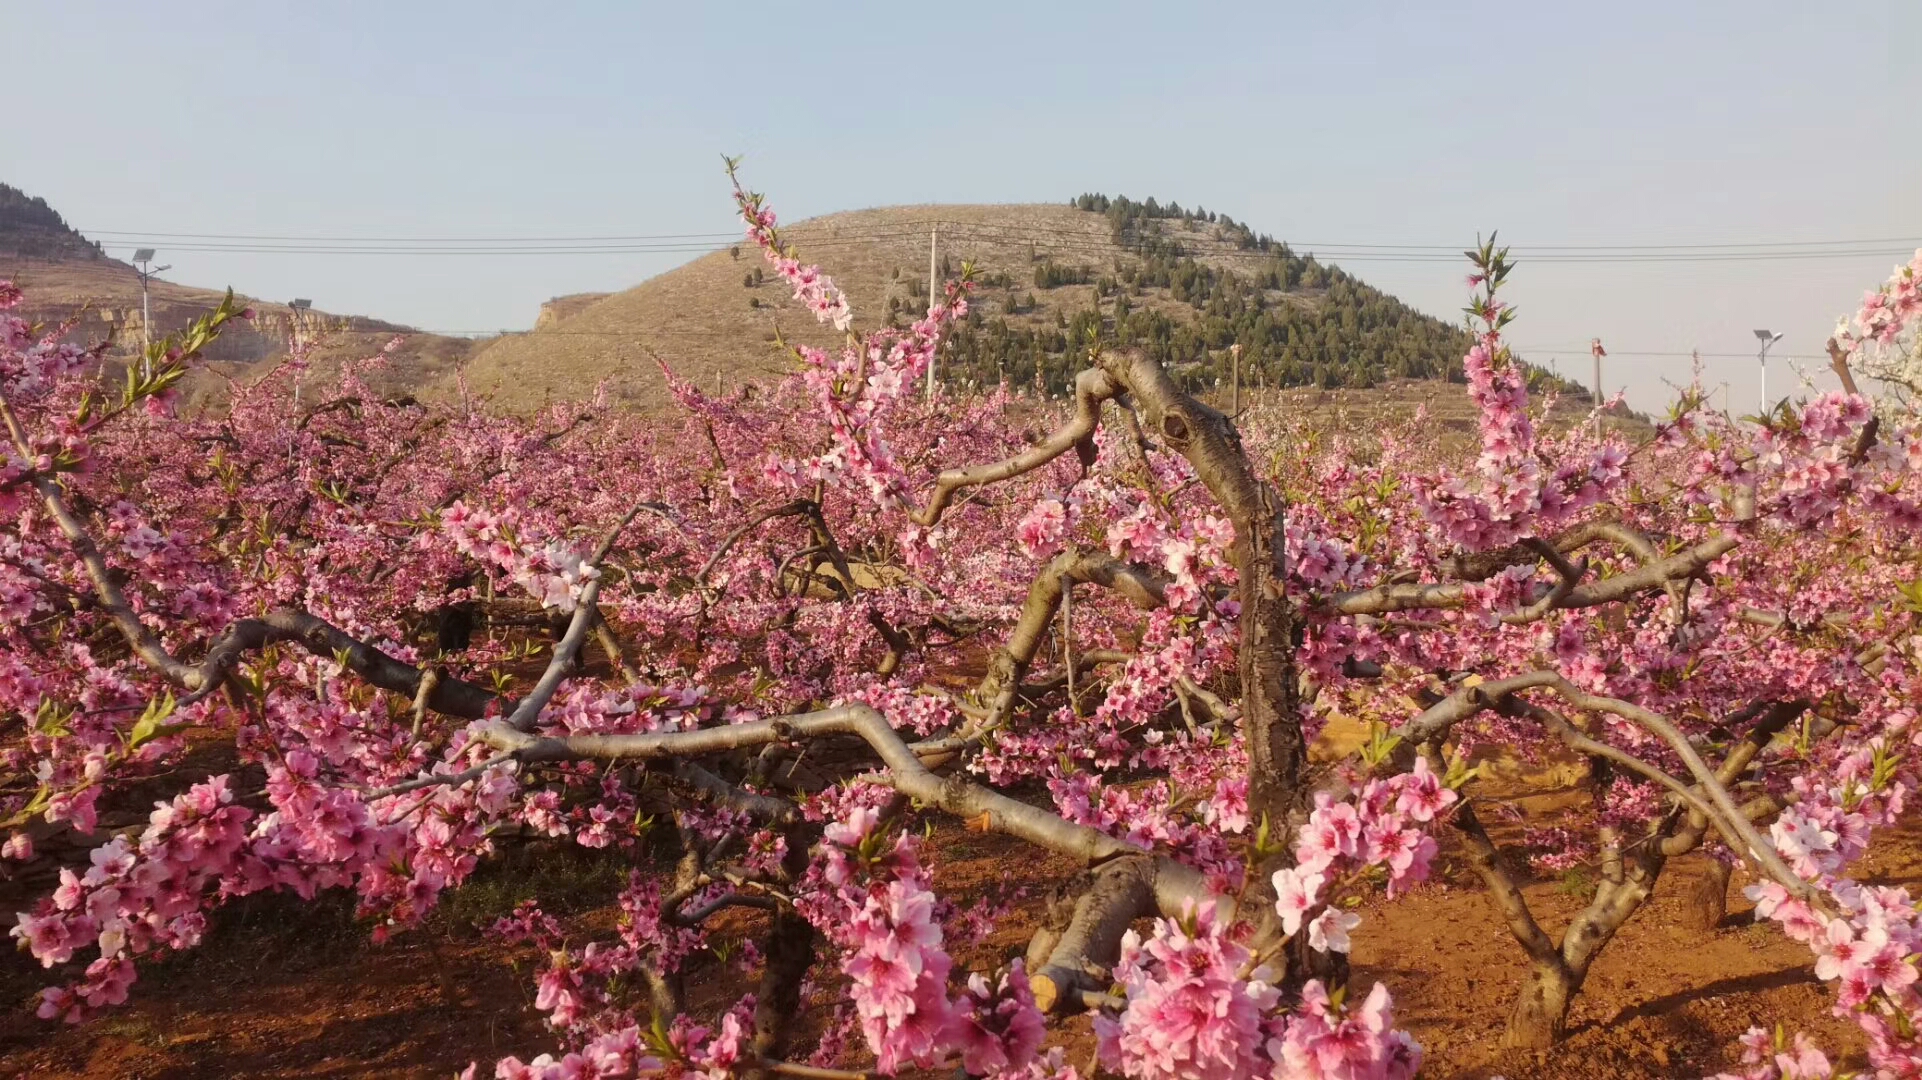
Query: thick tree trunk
point(1708, 895)
point(666, 994)
point(1304, 963)
point(1540, 1015)
point(789, 954)
point(1001, 683)
point(1270, 722)
point(1539, 1018)
point(1078, 958)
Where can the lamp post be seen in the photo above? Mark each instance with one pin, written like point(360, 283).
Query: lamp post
point(1234, 354)
point(934, 357)
point(1596, 351)
point(297, 308)
point(143, 256)
point(1767, 338)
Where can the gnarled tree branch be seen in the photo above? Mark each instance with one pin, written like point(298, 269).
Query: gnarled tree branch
point(1384, 599)
point(1173, 881)
point(1091, 387)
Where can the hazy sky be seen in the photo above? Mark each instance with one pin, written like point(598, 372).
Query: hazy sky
point(1624, 123)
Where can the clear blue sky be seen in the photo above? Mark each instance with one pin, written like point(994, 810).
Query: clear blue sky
point(1416, 123)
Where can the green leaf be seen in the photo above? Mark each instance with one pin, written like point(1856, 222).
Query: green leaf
point(40, 800)
point(51, 720)
point(152, 724)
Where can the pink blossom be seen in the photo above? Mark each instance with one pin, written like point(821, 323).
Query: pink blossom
point(1297, 891)
point(1422, 796)
point(1328, 932)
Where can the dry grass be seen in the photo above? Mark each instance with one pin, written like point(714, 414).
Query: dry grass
point(697, 318)
point(102, 297)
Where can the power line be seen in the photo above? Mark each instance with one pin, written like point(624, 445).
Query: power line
point(1058, 239)
point(1092, 251)
point(709, 336)
point(404, 239)
point(1019, 231)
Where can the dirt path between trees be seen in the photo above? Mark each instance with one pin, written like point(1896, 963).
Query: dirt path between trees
point(288, 990)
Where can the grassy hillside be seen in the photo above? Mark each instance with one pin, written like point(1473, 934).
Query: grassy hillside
point(1185, 285)
point(30, 229)
point(67, 278)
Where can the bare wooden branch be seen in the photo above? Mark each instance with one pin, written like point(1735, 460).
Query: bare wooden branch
point(1091, 387)
point(1269, 717)
point(1571, 576)
point(586, 616)
point(454, 779)
point(1582, 744)
point(1687, 834)
point(611, 645)
point(717, 790)
point(797, 508)
point(1500, 881)
point(1084, 662)
point(140, 638)
point(1839, 361)
point(1432, 725)
point(449, 696)
point(1000, 685)
point(429, 678)
point(1482, 565)
point(1384, 599)
point(1174, 882)
point(1122, 892)
point(558, 666)
point(720, 904)
point(1713, 800)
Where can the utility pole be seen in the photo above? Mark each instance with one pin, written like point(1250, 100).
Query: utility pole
point(295, 310)
point(1595, 350)
point(1234, 402)
point(1767, 338)
point(933, 359)
point(143, 256)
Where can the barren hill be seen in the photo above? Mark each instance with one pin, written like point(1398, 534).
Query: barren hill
point(712, 322)
point(66, 277)
point(1184, 284)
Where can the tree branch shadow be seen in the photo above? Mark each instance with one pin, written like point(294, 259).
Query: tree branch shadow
point(1741, 984)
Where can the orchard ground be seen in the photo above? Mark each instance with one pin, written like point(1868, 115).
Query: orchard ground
point(286, 990)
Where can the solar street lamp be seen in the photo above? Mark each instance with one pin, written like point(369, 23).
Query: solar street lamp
point(1767, 338)
point(143, 256)
point(298, 306)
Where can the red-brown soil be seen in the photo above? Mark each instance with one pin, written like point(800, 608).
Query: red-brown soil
point(285, 990)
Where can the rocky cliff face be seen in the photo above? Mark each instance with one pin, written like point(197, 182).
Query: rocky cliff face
point(562, 307)
point(105, 304)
